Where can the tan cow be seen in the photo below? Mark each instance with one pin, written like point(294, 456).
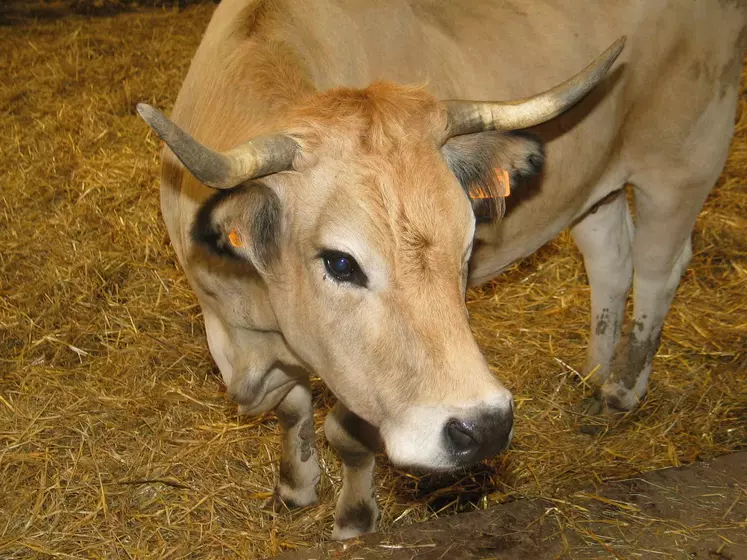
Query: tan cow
point(327, 228)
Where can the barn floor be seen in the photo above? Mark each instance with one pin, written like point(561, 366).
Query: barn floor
point(116, 438)
point(691, 512)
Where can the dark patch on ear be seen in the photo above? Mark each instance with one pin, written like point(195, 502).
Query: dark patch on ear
point(253, 210)
point(474, 158)
point(533, 160)
point(206, 233)
point(266, 227)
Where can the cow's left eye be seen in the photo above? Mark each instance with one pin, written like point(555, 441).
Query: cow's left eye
point(343, 268)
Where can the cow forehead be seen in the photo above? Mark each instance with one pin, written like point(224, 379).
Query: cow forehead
point(375, 173)
point(377, 119)
point(406, 205)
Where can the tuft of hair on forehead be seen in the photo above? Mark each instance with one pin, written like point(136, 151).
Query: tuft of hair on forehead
point(379, 118)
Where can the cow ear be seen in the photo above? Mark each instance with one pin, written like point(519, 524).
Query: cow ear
point(491, 165)
point(241, 223)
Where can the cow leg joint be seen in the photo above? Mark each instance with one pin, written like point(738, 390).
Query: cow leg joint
point(630, 370)
point(355, 441)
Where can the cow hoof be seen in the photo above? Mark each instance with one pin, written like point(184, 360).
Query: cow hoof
point(284, 499)
point(345, 533)
point(592, 406)
point(593, 420)
point(598, 415)
point(618, 397)
point(354, 520)
point(348, 533)
point(595, 376)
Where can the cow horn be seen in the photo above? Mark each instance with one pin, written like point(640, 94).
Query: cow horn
point(468, 117)
point(222, 170)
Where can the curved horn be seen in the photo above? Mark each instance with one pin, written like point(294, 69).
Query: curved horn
point(467, 117)
point(222, 170)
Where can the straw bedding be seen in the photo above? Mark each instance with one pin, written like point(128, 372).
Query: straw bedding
point(116, 437)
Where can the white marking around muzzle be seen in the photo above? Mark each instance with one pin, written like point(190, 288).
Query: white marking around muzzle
point(415, 439)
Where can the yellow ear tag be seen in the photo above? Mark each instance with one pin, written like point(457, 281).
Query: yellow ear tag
point(234, 239)
point(503, 187)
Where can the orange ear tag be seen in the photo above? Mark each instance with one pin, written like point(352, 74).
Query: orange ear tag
point(235, 239)
point(504, 182)
point(476, 192)
point(503, 187)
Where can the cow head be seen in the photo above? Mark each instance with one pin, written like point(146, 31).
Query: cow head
point(359, 219)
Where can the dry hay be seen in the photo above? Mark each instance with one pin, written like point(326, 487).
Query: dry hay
point(117, 438)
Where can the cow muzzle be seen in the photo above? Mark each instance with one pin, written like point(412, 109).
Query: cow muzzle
point(478, 436)
point(442, 438)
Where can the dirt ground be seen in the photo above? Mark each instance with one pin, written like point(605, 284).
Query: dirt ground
point(116, 436)
point(692, 512)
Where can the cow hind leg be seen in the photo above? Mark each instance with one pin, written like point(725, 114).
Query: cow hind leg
point(669, 193)
point(355, 441)
point(662, 251)
point(605, 238)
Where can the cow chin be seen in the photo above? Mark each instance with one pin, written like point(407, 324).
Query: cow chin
point(443, 438)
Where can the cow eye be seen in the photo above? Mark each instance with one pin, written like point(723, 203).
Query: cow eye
point(343, 268)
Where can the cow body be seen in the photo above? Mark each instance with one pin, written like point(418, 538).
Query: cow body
point(661, 121)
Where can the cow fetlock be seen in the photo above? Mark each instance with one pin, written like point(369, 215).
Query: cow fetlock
point(299, 465)
point(630, 370)
point(355, 441)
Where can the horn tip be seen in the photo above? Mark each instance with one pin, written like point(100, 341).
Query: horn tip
point(146, 112)
point(619, 45)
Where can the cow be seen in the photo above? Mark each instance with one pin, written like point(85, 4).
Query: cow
point(331, 187)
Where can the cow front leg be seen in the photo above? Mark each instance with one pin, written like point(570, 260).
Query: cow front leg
point(355, 440)
point(605, 237)
point(299, 464)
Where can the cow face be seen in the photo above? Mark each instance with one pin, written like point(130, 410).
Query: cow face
point(364, 246)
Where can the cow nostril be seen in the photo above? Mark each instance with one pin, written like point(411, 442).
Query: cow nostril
point(461, 436)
